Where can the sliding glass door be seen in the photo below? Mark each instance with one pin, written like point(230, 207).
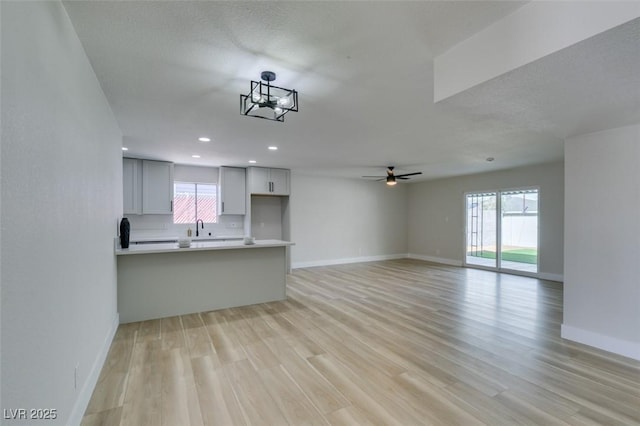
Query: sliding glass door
point(502, 230)
point(481, 229)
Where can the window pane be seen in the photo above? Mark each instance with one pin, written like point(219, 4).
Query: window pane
point(184, 202)
point(207, 203)
point(193, 201)
point(519, 231)
point(520, 202)
point(481, 229)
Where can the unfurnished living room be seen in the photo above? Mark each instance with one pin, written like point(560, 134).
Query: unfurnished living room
point(319, 212)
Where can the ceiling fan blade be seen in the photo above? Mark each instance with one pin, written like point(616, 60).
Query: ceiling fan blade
point(377, 177)
point(402, 178)
point(408, 174)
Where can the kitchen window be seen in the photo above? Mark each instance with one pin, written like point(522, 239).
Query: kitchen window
point(193, 201)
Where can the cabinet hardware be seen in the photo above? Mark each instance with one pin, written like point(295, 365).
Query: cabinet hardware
point(171, 205)
point(223, 207)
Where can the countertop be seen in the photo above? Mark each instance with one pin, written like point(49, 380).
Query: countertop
point(199, 246)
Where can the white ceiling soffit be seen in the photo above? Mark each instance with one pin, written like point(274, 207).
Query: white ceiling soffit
point(173, 71)
point(590, 86)
point(532, 32)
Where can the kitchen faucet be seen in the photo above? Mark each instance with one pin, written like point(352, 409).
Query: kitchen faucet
point(201, 224)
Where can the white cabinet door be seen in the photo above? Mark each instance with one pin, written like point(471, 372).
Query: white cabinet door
point(258, 180)
point(268, 181)
point(232, 191)
point(157, 187)
point(279, 179)
point(131, 186)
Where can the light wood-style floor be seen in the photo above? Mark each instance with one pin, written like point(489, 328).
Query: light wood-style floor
point(394, 342)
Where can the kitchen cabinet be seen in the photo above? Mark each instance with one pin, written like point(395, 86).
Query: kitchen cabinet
point(232, 191)
point(131, 186)
point(157, 187)
point(147, 186)
point(265, 181)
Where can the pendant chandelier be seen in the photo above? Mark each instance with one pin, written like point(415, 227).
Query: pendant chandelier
point(267, 101)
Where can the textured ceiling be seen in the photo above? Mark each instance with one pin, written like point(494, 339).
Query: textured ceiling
point(173, 71)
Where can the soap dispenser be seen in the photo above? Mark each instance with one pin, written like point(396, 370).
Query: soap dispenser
point(189, 232)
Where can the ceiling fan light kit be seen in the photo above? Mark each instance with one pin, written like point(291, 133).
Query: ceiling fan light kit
point(266, 101)
point(391, 178)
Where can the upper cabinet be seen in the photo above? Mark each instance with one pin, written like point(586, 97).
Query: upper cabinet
point(268, 181)
point(157, 187)
point(147, 186)
point(231, 191)
point(132, 186)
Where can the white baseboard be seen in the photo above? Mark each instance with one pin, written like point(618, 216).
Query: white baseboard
point(453, 262)
point(329, 262)
point(433, 259)
point(86, 390)
point(600, 341)
point(551, 277)
point(538, 275)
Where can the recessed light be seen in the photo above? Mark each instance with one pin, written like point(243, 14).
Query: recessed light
point(273, 148)
point(124, 148)
point(252, 161)
point(203, 139)
point(490, 159)
point(195, 156)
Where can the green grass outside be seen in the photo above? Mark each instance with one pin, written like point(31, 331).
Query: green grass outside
point(515, 255)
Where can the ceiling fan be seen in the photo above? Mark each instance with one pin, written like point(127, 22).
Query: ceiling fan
point(391, 177)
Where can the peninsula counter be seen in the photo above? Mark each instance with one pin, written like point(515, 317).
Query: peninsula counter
point(161, 280)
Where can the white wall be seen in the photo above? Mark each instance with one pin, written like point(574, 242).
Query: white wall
point(184, 173)
point(602, 240)
point(61, 197)
point(437, 213)
point(337, 220)
point(1, 143)
point(266, 217)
